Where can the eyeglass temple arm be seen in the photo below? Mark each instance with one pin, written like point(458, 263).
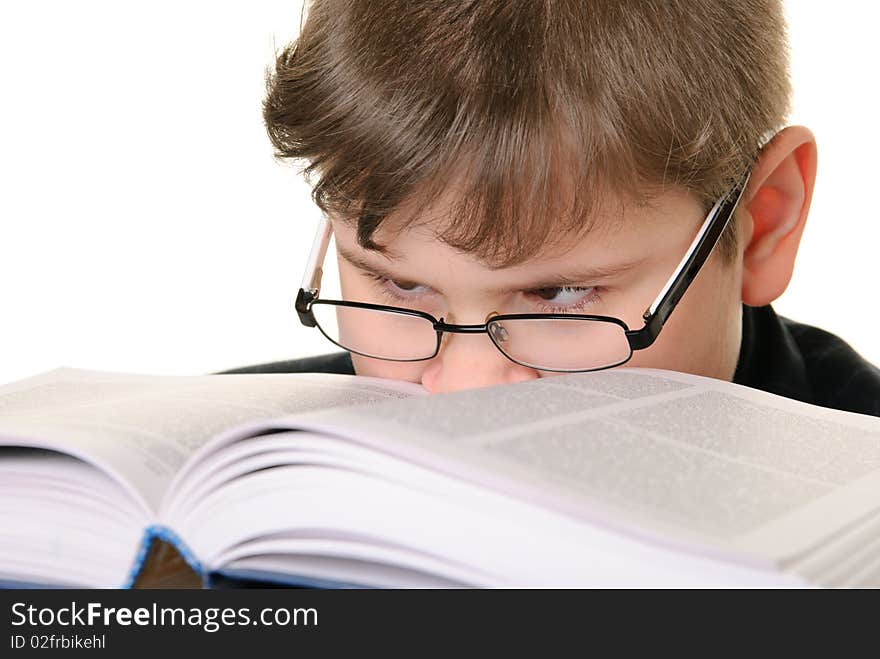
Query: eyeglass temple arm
point(716, 221)
point(311, 282)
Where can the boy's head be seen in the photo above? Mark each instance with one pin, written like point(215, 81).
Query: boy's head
point(528, 157)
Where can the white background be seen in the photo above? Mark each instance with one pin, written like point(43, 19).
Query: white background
point(146, 227)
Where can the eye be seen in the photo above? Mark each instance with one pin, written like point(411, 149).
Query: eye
point(563, 299)
point(397, 292)
point(404, 285)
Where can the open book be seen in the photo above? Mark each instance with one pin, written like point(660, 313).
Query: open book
point(628, 477)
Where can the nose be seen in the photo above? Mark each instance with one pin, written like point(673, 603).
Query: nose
point(470, 361)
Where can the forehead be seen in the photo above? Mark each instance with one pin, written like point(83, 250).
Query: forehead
point(619, 238)
point(612, 222)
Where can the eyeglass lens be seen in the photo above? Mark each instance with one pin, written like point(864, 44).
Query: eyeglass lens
point(374, 333)
point(545, 344)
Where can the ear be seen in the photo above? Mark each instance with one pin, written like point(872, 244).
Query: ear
point(773, 212)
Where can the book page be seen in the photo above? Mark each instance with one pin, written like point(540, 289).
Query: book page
point(142, 428)
point(666, 450)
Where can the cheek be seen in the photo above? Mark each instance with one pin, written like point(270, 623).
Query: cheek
point(702, 335)
point(378, 368)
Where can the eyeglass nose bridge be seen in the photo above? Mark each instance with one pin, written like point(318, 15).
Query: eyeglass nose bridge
point(496, 331)
point(442, 326)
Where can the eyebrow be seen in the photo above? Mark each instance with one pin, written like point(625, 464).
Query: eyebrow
point(547, 281)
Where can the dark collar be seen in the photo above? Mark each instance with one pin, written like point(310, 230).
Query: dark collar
point(769, 356)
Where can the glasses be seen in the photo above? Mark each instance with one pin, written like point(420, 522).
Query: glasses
point(567, 343)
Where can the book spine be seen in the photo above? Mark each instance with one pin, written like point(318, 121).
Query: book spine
point(157, 532)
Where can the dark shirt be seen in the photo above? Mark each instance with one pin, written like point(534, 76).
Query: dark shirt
point(805, 363)
point(777, 355)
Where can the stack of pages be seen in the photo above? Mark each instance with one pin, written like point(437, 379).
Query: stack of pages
point(628, 477)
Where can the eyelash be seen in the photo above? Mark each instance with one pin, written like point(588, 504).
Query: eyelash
point(588, 300)
point(591, 299)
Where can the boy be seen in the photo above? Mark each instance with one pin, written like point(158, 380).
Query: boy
point(620, 164)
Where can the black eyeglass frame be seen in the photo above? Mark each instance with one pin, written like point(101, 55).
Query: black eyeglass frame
point(654, 317)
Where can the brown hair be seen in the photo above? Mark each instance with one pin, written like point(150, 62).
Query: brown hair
point(393, 103)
